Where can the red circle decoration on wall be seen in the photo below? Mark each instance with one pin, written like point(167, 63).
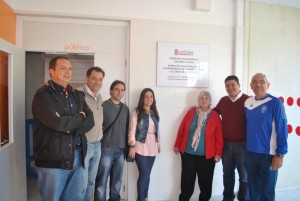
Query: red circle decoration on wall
point(290, 101)
point(290, 128)
point(298, 130)
point(282, 99)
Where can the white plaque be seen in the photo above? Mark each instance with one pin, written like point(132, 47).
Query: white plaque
point(182, 65)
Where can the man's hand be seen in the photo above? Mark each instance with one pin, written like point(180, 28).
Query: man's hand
point(277, 162)
point(56, 113)
point(217, 158)
point(82, 114)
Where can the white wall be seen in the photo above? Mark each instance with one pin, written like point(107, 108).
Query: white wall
point(290, 3)
point(173, 102)
point(166, 10)
point(171, 21)
point(184, 25)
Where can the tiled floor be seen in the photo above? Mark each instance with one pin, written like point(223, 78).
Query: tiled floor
point(290, 195)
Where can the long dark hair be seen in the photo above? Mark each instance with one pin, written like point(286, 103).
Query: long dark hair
point(140, 108)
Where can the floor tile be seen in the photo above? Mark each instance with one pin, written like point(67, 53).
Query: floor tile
point(289, 195)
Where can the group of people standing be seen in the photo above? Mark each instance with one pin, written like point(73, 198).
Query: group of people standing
point(248, 133)
point(81, 141)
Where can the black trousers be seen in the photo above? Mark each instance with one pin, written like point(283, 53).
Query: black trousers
point(193, 165)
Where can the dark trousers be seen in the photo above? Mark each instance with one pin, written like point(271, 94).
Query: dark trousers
point(193, 165)
point(261, 179)
point(234, 157)
point(144, 164)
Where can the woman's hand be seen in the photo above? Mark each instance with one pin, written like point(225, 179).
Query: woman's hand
point(217, 158)
point(131, 152)
point(131, 143)
point(176, 150)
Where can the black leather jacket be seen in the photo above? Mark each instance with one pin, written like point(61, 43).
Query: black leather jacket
point(55, 128)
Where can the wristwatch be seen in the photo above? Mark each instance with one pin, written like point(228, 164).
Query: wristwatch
point(280, 155)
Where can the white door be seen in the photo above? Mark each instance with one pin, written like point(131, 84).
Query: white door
point(12, 155)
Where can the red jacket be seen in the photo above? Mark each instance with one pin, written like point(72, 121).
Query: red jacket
point(213, 134)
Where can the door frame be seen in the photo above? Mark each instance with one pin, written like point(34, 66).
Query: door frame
point(12, 155)
point(124, 25)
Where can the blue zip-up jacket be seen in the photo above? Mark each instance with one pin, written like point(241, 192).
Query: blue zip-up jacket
point(142, 127)
point(266, 126)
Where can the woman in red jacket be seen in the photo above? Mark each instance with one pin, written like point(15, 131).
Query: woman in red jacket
point(200, 142)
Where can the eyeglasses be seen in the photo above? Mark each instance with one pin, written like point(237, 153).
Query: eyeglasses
point(258, 82)
point(118, 90)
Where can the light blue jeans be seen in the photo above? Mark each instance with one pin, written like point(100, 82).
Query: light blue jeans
point(111, 164)
point(91, 164)
point(62, 185)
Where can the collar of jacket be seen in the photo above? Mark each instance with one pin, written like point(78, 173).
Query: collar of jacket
point(50, 83)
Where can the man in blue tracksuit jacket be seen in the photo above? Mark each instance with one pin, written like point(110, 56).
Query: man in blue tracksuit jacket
point(266, 140)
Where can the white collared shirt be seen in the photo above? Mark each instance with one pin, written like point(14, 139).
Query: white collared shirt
point(91, 93)
point(237, 97)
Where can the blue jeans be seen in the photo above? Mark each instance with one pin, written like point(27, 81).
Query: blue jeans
point(91, 164)
point(234, 156)
point(111, 164)
point(261, 179)
point(62, 185)
point(144, 164)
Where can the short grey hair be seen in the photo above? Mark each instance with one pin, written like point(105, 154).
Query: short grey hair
point(205, 93)
point(261, 75)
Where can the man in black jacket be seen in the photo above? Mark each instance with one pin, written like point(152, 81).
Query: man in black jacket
point(62, 118)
